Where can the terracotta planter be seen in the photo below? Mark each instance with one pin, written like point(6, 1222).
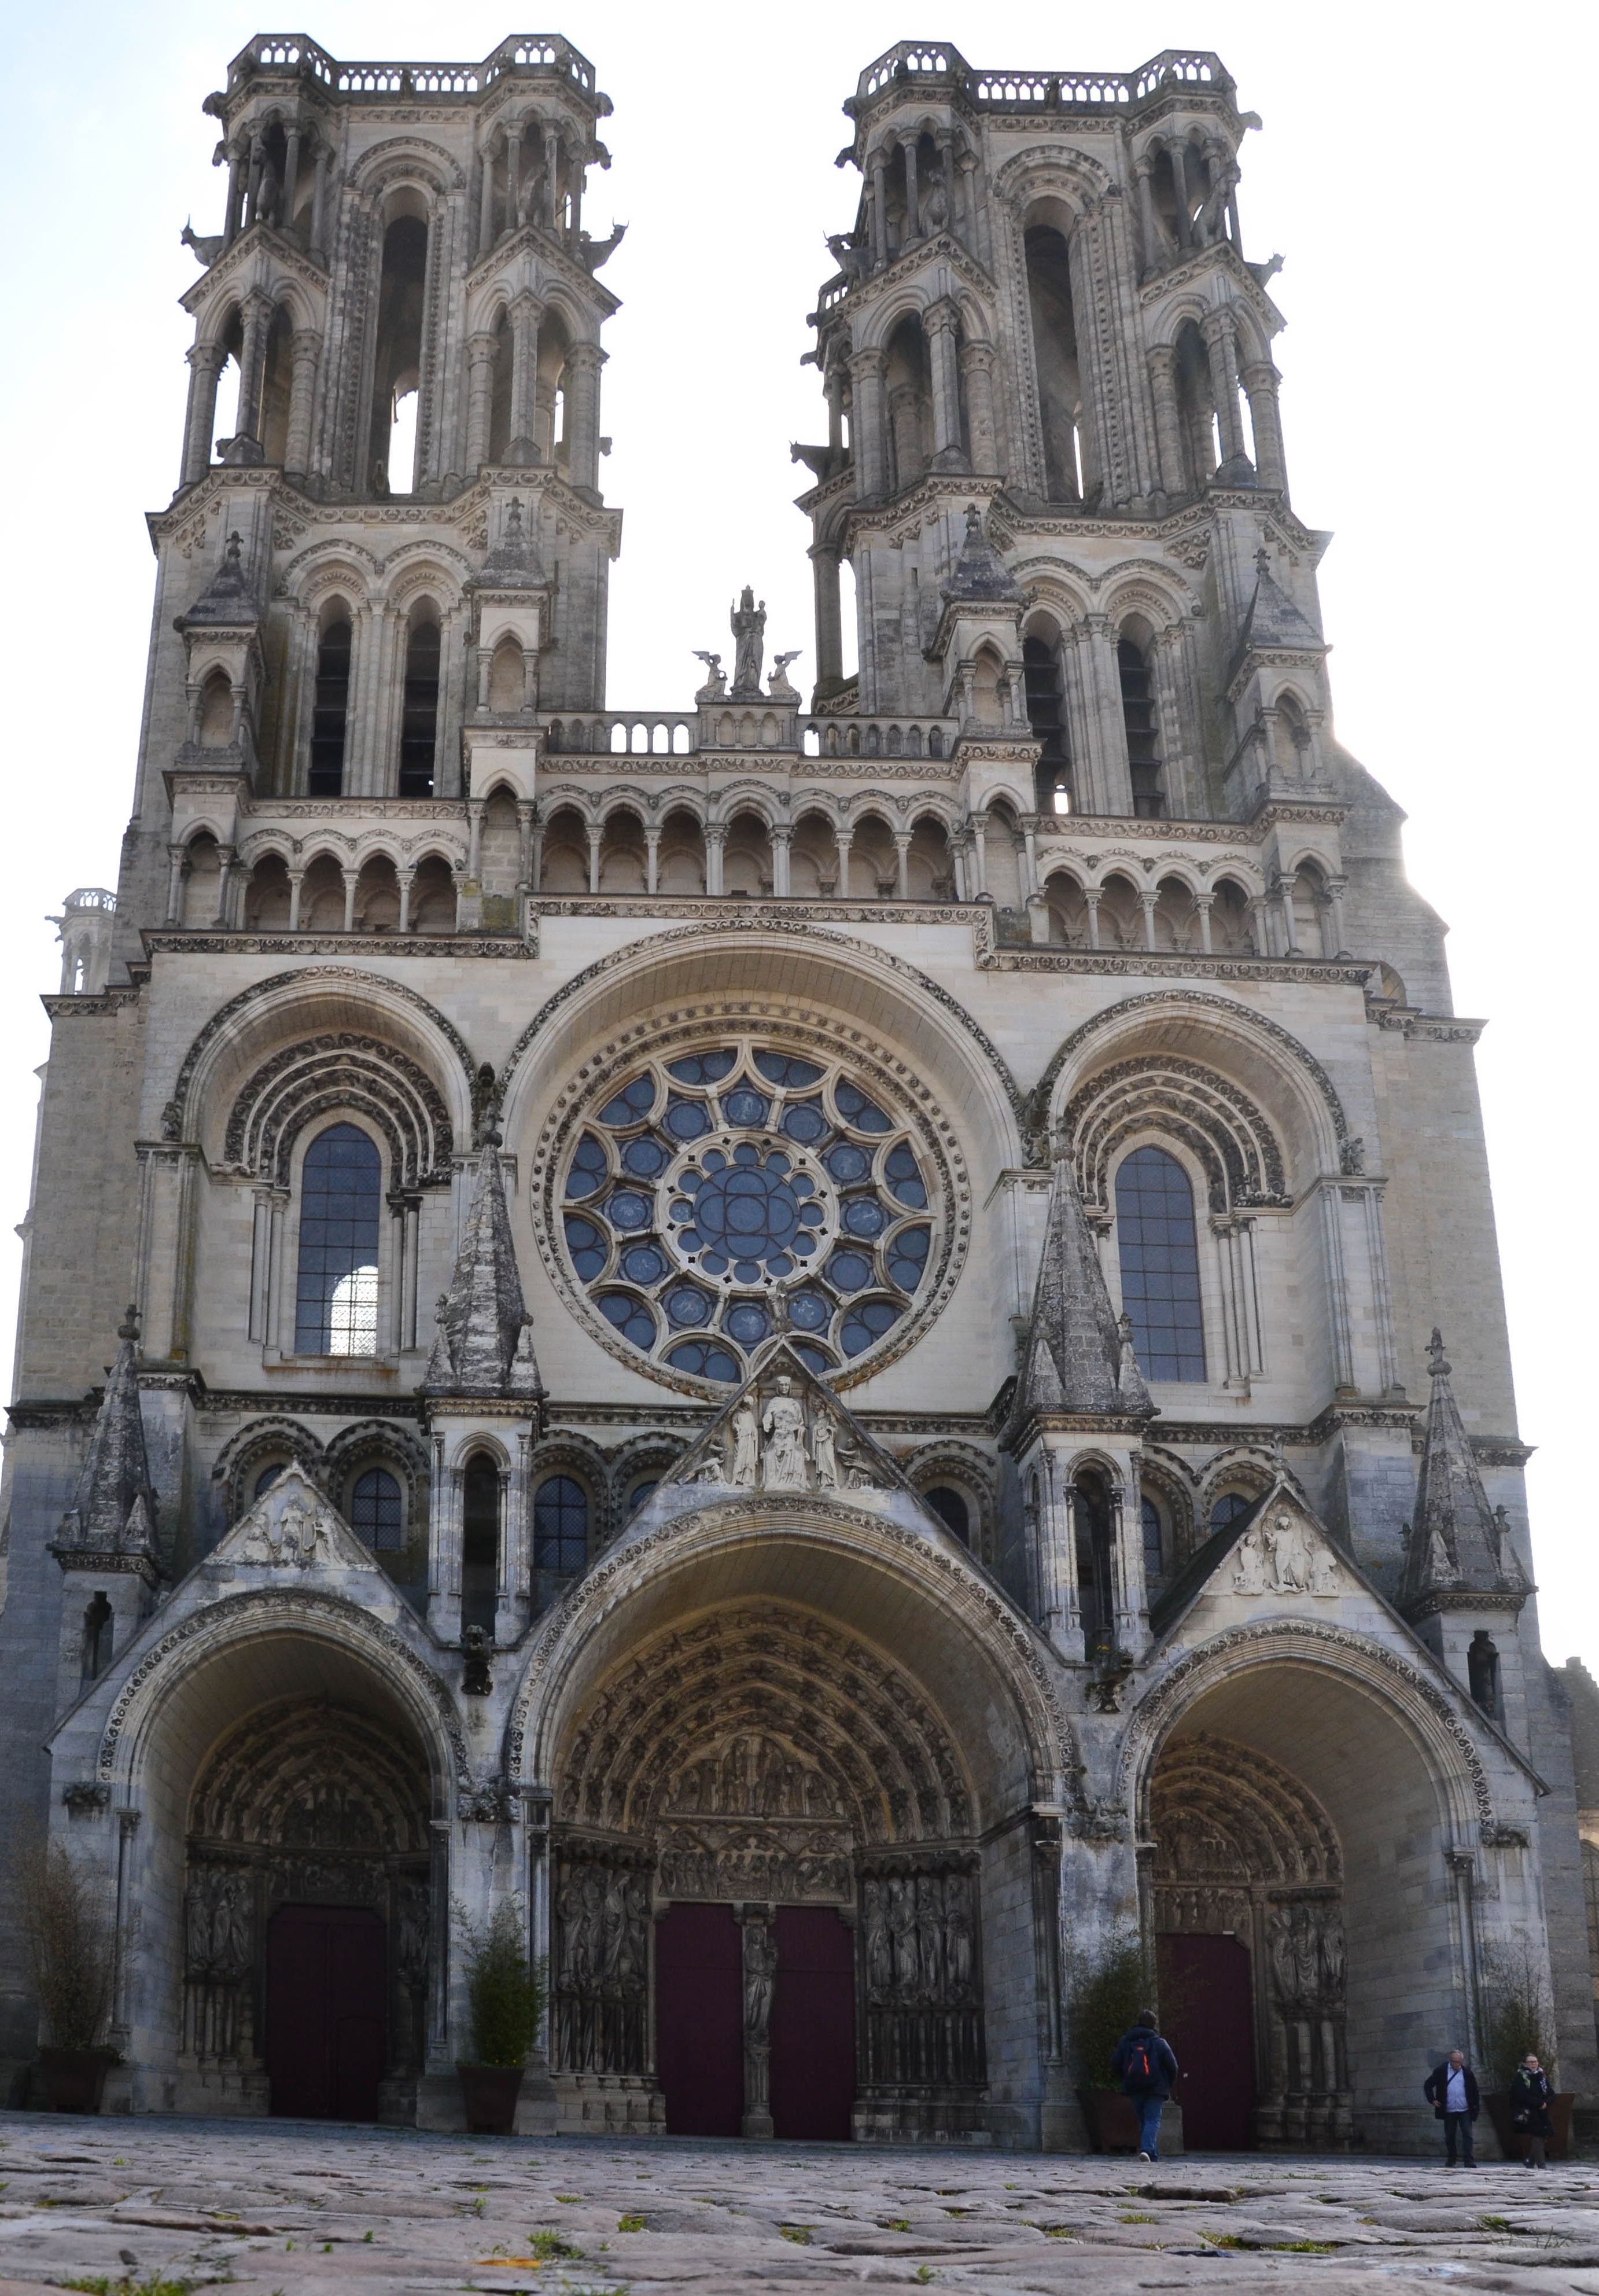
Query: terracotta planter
point(1112, 2120)
point(490, 2093)
point(1512, 2143)
point(75, 2079)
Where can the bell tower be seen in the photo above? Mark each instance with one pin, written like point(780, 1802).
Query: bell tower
point(1044, 315)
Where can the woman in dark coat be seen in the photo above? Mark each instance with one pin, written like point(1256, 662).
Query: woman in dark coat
point(1530, 2095)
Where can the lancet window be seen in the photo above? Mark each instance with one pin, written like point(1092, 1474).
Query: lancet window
point(1143, 733)
point(336, 1296)
point(1159, 1253)
point(560, 1525)
point(330, 713)
point(419, 718)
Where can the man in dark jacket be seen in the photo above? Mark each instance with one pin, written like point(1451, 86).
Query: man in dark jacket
point(1451, 2090)
point(1146, 2069)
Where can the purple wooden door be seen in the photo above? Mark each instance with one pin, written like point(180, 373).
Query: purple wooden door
point(699, 2020)
point(1207, 2009)
point(813, 2024)
point(327, 2025)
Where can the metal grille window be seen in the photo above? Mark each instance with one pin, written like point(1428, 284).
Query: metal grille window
point(336, 1298)
point(1159, 1265)
point(377, 1510)
point(560, 1525)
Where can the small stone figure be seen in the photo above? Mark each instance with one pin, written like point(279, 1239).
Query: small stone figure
point(747, 623)
point(1250, 1576)
point(822, 1452)
point(761, 1980)
point(476, 1680)
point(850, 259)
point(777, 685)
point(716, 677)
point(746, 1446)
point(784, 1427)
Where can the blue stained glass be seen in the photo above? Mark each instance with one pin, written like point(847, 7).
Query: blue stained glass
point(864, 1216)
point(715, 1263)
point(702, 1360)
point(642, 1263)
point(629, 1210)
point(743, 1106)
point(686, 1119)
point(779, 1068)
point(904, 1180)
point(811, 1215)
point(588, 1168)
point(631, 1317)
point(804, 1245)
point(701, 1068)
point(587, 1246)
point(847, 1162)
point(747, 1321)
point(746, 1210)
point(1159, 1253)
point(908, 1257)
point(809, 1311)
point(805, 1121)
point(748, 1271)
point(336, 1298)
point(644, 1158)
point(813, 1358)
point(866, 1324)
point(634, 1100)
point(856, 1109)
point(849, 1270)
point(686, 1308)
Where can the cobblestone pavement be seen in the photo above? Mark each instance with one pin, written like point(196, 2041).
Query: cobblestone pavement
point(316, 2210)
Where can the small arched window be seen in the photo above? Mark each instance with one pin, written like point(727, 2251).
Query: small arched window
point(336, 1296)
point(267, 1477)
point(1096, 1578)
point(419, 718)
point(479, 1541)
point(1138, 717)
point(1159, 1265)
point(377, 1510)
point(640, 1493)
point(98, 1626)
point(951, 1508)
point(560, 1525)
point(330, 714)
point(1227, 1510)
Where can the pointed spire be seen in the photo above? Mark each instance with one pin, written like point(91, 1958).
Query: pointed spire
point(227, 598)
point(485, 1343)
point(978, 572)
point(114, 1506)
point(1078, 1357)
point(1457, 1542)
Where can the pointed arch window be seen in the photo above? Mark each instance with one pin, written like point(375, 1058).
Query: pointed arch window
point(479, 1541)
point(1159, 1253)
point(419, 718)
point(336, 1295)
point(329, 712)
point(377, 1510)
point(1046, 716)
point(1143, 734)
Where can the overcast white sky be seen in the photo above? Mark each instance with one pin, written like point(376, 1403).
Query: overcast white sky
point(1421, 170)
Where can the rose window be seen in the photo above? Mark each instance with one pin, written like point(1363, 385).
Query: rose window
point(725, 1198)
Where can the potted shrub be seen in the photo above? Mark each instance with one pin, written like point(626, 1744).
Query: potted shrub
point(506, 1993)
point(66, 1929)
point(1105, 1991)
point(1517, 2022)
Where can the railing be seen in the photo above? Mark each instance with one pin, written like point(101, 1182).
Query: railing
point(1040, 91)
point(287, 52)
point(879, 737)
point(624, 733)
point(90, 897)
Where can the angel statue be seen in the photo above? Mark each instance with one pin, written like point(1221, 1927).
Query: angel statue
point(778, 682)
point(716, 677)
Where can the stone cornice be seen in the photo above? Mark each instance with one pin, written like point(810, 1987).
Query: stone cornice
point(530, 238)
point(1432, 1028)
point(943, 247)
point(1221, 256)
point(65, 1007)
point(296, 512)
point(298, 944)
point(259, 238)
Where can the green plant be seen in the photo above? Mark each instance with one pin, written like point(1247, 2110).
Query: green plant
point(66, 1925)
point(548, 2247)
point(799, 2234)
point(505, 1989)
point(101, 2284)
point(1105, 1990)
point(1517, 2019)
point(630, 2224)
point(924, 2274)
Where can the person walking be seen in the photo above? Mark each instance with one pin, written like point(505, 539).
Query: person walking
point(1530, 2095)
point(1451, 2090)
point(1147, 2071)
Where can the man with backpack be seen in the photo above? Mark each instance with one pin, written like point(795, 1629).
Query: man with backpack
point(1147, 2071)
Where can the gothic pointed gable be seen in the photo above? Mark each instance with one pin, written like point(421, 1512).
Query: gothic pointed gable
point(293, 1527)
point(1272, 622)
point(979, 574)
point(1079, 1357)
point(786, 1430)
point(113, 1509)
point(1457, 1544)
point(227, 602)
point(485, 1342)
point(1279, 1551)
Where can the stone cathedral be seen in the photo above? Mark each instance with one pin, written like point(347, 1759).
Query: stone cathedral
point(798, 1335)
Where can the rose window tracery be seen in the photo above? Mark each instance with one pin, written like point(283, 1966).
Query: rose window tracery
point(721, 1198)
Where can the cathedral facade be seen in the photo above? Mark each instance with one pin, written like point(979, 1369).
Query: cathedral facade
point(798, 1335)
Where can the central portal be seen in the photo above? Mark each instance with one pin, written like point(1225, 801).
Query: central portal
point(765, 1892)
